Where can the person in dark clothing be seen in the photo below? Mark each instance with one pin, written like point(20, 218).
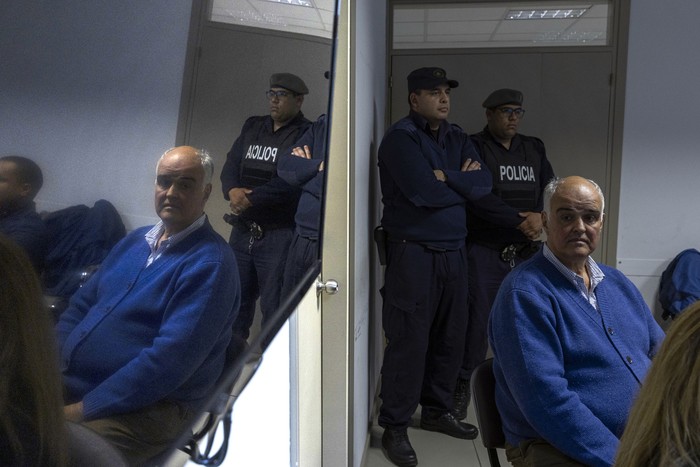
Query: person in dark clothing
point(302, 166)
point(429, 170)
point(263, 204)
point(20, 181)
point(505, 225)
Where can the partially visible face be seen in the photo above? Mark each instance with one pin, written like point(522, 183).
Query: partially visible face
point(575, 221)
point(502, 125)
point(283, 109)
point(12, 190)
point(432, 104)
point(180, 189)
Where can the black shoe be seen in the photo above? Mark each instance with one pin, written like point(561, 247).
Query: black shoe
point(461, 397)
point(447, 423)
point(397, 448)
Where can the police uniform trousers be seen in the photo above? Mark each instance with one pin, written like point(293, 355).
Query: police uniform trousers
point(261, 263)
point(424, 320)
point(486, 272)
point(303, 253)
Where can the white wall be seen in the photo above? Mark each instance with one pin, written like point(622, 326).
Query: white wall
point(660, 159)
point(260, 432)
point(91, 91)
point(370, 102)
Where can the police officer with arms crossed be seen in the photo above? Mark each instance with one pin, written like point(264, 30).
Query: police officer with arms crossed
point(504, 225)
point(429, 170)
point(302, 166)
point(263, 204)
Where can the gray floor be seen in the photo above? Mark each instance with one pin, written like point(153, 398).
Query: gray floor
point(435, 449)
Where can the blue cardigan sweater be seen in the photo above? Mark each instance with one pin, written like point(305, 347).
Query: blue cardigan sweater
point(136, 335)
point(565, 372)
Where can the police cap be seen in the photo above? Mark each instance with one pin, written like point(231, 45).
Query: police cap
point(501, 97)
point(429, 78)
point(288, 81)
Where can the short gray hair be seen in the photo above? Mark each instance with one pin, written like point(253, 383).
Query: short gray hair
point(554, 185)
point(208, 164)
point(204, 158)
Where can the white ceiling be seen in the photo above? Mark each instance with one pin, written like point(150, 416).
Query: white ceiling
point(280, 15)
point(468, 25)
point(434, 25)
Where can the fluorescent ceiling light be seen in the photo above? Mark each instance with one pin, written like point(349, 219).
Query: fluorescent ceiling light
point(293, 2)
point(546, 14)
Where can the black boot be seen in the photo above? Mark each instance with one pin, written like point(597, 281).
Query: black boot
point(461, 397)
point(445, 422)
point(397, 448)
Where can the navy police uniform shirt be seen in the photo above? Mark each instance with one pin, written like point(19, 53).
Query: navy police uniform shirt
point(417, 206)
point(304, 173)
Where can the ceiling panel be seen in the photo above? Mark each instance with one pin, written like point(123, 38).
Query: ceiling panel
point(450, 25)
point(316, 20)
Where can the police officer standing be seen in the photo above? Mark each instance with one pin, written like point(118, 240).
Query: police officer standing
point(262, 204)
point(302, 166)
point(505, 225)
point(429, 170)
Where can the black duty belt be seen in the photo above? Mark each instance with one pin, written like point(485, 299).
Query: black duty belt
point(427, 247)
point(257, 231)
point(510, 251)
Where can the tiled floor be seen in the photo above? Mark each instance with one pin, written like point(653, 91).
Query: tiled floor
point(435, 449)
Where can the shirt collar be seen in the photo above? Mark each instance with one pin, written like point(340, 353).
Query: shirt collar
point(153, 235)
point(514, 142)
point(297, 119)
point(596, 274)
point(18, 209)
point(422, 124)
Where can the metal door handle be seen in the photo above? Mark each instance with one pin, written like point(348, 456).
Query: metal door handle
point(331, 287)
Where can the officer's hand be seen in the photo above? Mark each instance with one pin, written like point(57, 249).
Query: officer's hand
point(304, 152)
point(239, 200)
point(532, 225)
point(440, 175)
point(470, 165)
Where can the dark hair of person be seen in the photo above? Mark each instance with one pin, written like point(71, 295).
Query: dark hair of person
point(32, 425)
point(28, 172)
point(664, 425)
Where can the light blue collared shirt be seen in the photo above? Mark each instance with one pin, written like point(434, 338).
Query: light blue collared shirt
point(596, 275)
point(155, 233)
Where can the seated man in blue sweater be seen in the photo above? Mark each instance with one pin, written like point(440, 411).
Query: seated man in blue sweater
point(572, 340)
point(144, 340)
